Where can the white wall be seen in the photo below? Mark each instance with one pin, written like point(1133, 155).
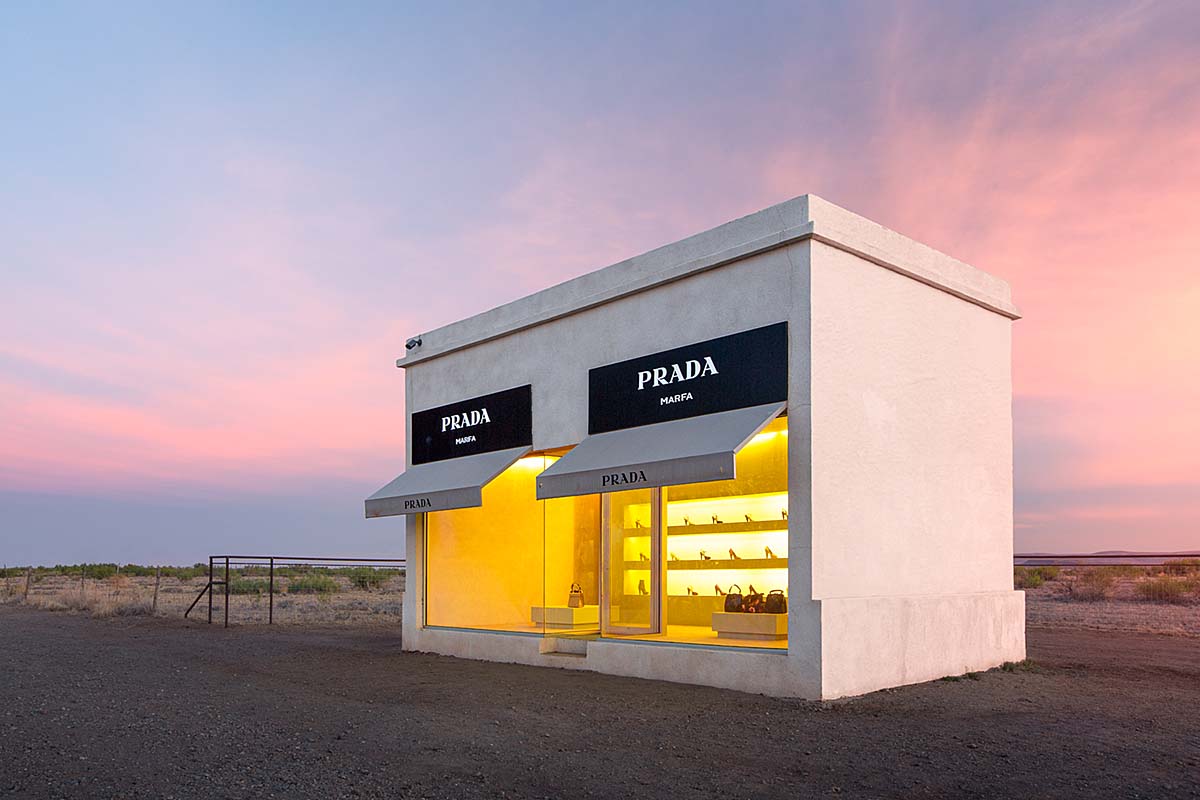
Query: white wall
point(911, 436)
point(555, 357)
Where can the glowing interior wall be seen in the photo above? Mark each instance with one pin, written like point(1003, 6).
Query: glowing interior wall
point(726, 533)
point(489, 567)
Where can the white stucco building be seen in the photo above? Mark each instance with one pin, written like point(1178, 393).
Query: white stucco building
point(800, 400)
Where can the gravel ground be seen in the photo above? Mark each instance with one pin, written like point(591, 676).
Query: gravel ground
point(163, 708)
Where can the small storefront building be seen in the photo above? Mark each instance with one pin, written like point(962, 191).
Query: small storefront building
point(775, 456)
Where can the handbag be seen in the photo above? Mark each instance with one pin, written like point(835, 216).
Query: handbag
point(733, 600)
point(754, 603)
point(575, 598)
point(776, 602)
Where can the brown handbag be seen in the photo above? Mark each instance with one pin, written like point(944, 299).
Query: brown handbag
point(575, 598)
point(754, 603)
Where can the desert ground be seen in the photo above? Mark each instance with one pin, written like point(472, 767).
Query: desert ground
point(155, 706)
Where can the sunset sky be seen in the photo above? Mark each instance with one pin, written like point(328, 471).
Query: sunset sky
point(219, 223)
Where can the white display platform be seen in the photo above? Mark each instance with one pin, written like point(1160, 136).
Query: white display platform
point(565, 616)
point(738, 625)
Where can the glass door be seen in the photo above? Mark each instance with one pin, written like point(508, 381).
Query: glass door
point(631, 589)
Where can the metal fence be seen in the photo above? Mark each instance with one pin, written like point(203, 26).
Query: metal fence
point(220, 568)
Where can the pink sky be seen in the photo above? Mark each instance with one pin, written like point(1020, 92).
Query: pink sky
point(214, 254)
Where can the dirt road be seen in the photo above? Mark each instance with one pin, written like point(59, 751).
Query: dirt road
point(163, 708)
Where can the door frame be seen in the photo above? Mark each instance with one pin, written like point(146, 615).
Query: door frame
point(657, 568)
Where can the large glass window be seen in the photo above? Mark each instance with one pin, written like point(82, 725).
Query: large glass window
point(509, 564)
point(730, 536)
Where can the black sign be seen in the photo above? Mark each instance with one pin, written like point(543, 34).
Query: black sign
point(479, 425)
point(737, 371)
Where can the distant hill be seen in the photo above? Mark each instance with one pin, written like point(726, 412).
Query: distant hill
point(1101, 557)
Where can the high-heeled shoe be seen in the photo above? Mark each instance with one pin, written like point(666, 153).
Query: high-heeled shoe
point(687, 520)
point(720, 592)
point(642, 557)
point(674, 557)
point(734, 555)
point(692, 592)
point(770, 554)
point(705, 556)
point(637, 523)
point(784, 512)
point(748, 518)
point(642, 588)
point(716, 520)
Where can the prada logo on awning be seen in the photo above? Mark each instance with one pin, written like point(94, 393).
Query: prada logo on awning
point(418, 502)
point(623, 478)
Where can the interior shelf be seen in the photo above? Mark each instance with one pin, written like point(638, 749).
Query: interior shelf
point(722, 527)
point(715, 563)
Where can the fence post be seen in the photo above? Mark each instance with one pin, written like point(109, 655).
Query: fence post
point(157, 578)
point(28, 580)
point(210, 588)
point(226, 591)
point(271, 594)
point(82, 575)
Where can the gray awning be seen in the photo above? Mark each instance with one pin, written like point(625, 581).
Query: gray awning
point(691, 450)
point(437, 486)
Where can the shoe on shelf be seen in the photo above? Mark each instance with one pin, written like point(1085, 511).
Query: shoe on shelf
point(716, 520)
point(692, 592)
point(734, 555)
point(705, 556)
point(642, 588)
point(674, 557)
point(642, 557)
point(748, 518)
point(719, 592)
point(770, 554)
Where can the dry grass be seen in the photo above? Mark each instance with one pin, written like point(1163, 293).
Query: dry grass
point(341, 601)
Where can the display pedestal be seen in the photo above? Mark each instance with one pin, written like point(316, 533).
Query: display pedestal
point(565, 616)
point(738, 625)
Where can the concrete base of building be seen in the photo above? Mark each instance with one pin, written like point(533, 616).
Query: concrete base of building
point(852, 646)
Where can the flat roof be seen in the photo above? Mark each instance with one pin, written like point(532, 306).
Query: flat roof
point(804, 217)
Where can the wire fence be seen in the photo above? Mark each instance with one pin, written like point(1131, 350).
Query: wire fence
point(312, 587)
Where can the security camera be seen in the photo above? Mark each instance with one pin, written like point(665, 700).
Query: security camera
point(413, 342)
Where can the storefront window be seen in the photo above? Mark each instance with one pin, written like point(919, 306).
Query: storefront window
point(631, 589)
point(730, 536)
point(509, 564)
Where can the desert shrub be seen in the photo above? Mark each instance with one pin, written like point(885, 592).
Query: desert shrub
point(98, 571)
point(137, 571)
point(366, 578)
point(1093, 584)
point(1162, 590)
point(1127, 571)
point(1047, 573)
point(248, 586)
point(312, 584)
point(1025, 578)
point(184, 573)
point(1182, 566)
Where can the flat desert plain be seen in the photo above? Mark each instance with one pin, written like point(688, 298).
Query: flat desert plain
point(157, 707)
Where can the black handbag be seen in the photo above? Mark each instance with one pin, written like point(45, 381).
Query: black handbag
point(776, 602)
point(575, 598)
point(733, 600)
